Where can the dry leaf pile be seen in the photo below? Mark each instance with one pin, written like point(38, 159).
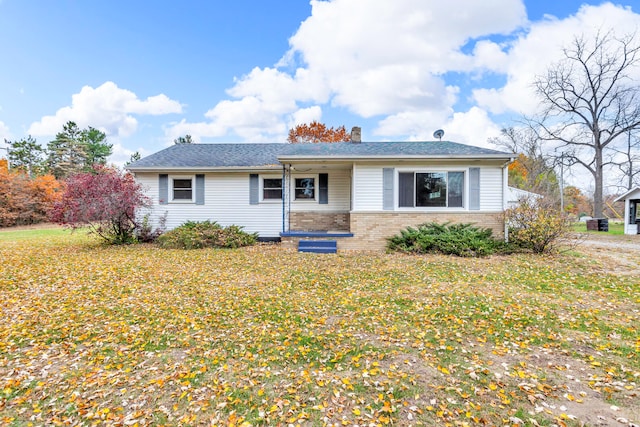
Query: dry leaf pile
point(138, 335)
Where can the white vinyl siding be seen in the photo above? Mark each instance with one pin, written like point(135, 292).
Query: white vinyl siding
point(491, 189)
point(339, 193)
point(226, 202)
point(368, 186)
point(226, 198)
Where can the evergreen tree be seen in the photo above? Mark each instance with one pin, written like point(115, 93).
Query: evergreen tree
point(27, 155)
point(96, 148)
point(66, 155)
point(183, 140)
point(134, 158)
point(76, 150)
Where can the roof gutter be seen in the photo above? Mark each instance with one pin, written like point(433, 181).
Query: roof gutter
point(508, 158)
point(195, 169)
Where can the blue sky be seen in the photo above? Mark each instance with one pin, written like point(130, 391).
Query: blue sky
point(245, 70)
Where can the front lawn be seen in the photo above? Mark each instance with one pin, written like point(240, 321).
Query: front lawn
point(40, 233)
point(615, 228)
point(264, 336)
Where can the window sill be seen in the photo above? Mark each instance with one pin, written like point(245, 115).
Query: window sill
point(430, 209)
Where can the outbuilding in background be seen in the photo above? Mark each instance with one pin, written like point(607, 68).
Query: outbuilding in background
point(631, 210)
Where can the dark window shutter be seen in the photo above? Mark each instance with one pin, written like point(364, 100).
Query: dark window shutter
point(474, 189)
point(163, 189)
point(406, 190)
point(323, 186)
point(199, 189)
point(254, 189)
point(387, 189)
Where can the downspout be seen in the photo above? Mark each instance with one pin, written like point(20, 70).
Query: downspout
point(289, 200)
point(283, 194)
point(505, 186)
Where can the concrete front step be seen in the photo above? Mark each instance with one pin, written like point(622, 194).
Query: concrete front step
point(318, 246)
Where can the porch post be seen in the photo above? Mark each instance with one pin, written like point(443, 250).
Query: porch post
point(283, 193)
point(289, 200)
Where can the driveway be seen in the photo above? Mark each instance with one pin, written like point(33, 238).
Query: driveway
point(612, 251)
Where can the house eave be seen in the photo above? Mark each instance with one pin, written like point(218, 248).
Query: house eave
point(627, 194)
point(193, 169)
point(323, 159)
point(401, 157)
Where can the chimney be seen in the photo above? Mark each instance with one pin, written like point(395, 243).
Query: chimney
point(356, 135)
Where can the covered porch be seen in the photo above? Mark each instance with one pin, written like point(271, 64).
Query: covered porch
point(631, 210)
point(317, 200)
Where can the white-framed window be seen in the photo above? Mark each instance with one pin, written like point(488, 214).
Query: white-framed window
point(182, 189)
point(271, 188)
point(431, 189)
point(305, 188)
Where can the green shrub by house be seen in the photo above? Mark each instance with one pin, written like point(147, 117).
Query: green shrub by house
point(450, 239)
point(206, 234)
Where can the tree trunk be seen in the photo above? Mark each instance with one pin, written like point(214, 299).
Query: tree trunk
point(597, 194)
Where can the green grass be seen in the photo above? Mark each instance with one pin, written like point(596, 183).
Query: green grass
point(615, 228)
point(273, 337)
point(21, 234)
point(48, 235)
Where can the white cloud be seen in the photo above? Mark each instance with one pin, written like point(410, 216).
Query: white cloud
point(490, 56)
point(264, 98)
point(473, 127)
point(416, 124)
point(387, 58)
point(305, 115)
point(372, 57)
point(532, 53)
point(106, 107)
point(391, 62)
point(121, 154)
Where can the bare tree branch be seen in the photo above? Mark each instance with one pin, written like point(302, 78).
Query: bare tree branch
point(589, 102)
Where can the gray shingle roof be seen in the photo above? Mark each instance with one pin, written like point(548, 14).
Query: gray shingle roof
point(247, 155)
point(212, 155)
point(424, 149)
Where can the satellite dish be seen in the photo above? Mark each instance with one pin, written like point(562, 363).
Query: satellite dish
point(438, 134)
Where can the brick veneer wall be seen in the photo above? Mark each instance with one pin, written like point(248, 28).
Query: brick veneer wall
point(371, 229)
point(311, 221)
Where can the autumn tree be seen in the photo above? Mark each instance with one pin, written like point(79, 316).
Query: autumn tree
point(589, 100)
point(575, 202)
point(316, 132)
point(105, 201)
point(24, 199)
point(532, 170)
